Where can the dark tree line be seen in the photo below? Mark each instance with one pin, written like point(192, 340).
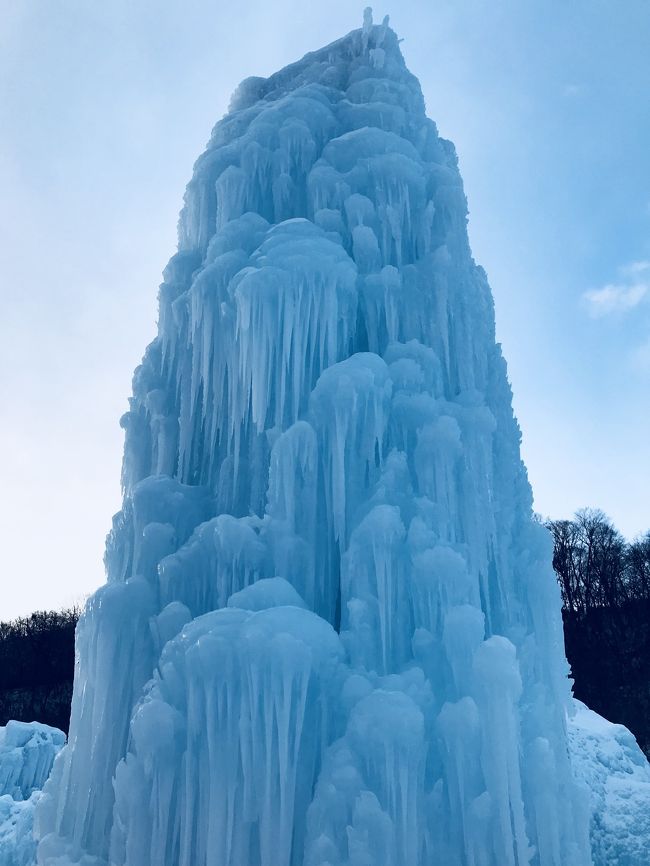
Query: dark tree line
point(605, 584)
point(37, 668)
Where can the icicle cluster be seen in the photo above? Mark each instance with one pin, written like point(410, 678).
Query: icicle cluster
point(27, 752)
point(330, 635)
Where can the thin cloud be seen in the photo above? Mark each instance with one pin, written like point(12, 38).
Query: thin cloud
point(636, 268)
point(623, 296)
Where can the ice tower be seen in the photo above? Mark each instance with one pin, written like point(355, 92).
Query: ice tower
point(330, 634)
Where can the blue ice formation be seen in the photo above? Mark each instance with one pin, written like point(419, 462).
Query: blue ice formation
point(331, 633)
point(27, 752)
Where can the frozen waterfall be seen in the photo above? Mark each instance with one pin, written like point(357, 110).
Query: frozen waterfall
point(330, 634)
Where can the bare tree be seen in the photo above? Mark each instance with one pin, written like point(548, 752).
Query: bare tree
point(605, 585)
point(589, 560)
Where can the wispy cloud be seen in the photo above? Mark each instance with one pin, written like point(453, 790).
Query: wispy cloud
point(614, 298)
point(631, 290)
point(636, 268)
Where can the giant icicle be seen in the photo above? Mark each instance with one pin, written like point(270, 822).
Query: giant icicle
point(331, 634)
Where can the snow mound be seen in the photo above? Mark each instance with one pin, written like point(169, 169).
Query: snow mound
point(17, 842)
point(608, 760)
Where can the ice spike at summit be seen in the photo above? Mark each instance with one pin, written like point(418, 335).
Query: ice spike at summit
point(330, 634)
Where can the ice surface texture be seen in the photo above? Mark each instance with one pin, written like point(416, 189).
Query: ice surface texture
point(27, 752)
point(331, 634)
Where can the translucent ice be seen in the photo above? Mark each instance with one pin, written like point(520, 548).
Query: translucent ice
point(331, 633)
point(27, 752)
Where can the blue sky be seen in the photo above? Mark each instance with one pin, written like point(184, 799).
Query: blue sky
point(105, 106)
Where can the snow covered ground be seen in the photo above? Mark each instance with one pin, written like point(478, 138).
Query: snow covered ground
point(608, 760)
